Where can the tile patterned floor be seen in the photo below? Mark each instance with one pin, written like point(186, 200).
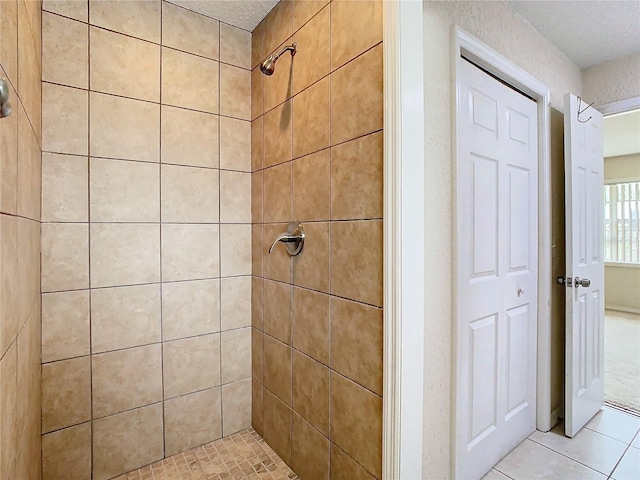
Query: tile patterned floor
point(607, 448)
point(243, 455)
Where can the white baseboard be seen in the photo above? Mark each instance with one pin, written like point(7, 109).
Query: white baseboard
point(622, 309)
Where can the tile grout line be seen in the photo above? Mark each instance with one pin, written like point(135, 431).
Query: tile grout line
point(220, 357)
point(164, 426)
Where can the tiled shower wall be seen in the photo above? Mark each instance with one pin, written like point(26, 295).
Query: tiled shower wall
point(20, 154)
point(317, 158)
point(146, 238)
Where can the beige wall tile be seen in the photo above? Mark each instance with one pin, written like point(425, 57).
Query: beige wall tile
point(123, 191)
point(196, 77)
point(311, 123)
point(277, 368)
point(126, 379)
point(277, 194)
point(355, 27)
point(235, 197)
point(9, 38)
point(277, 425)
point(65, 119)
point(235, 144)
point(344, 467)
point(356, 342)
point(236, 405)
point(311, 267)
point(277, 310)
point(190, 31)
point(235, 250)
point(312, 186)
point(67, 453)
point(124, 128)
point(236, 354)
point(29, 170)
point(65, 195)
point(190, 308)
point(8, 149)
point(256, 407)
point(257, 93)
point(257, 184)
point(279, 264)
point(124, 254)
point(192, 420)
point(235, 92)
point(124, 66)
point(190, 252)
point(189, 194)
point(303, 10)
point(257, 302)
point(235, 46)
point(356, 272)
point(278, 25)
point(65, 325)
point(309, 450)
point(311, 391)
point(256, 248)
point(68, 8)
point(138, 18)
point(8, 409)
point(278, 87)
point(257, 44)
point(65, 50)
point(357, 178)
point(190, 138)
point(29, 65)
point(183, 362)
point(236, 310)
point(257, 354)
point(115, 452)
point(356, 423)
point(66, 393)
point(314, 45)
point(277, 135)
point(311, 324)
point(257, 144)
point(124, 317)
point(11, 315)
point(65, 257)
point(356, 97)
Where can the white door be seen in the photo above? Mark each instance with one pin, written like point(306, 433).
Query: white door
point(584, 205)
point(497, 258)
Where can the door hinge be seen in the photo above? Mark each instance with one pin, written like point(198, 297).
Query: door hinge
point(568, 281)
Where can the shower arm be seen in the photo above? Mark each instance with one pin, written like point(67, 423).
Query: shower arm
point(293, 48)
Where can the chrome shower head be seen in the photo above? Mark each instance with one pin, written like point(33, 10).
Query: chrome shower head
point(269, 65)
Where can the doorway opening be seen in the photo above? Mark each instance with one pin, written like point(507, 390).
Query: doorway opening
point(622, 259)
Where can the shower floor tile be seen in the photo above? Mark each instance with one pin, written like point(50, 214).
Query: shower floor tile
point(243, 455)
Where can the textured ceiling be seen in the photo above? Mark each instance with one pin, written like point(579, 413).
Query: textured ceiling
point(588, 32)
point(622, 134)
point(240, 13)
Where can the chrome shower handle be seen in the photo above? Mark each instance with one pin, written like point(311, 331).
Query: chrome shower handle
point(5, 106)
point(284, 238)
point(293, 239)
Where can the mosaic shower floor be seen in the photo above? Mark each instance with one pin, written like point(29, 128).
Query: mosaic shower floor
point(243, 455)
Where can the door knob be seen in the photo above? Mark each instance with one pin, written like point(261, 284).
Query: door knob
point(293, 239)
point(582, 282)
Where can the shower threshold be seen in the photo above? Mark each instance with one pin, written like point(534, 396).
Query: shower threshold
point(243, 455)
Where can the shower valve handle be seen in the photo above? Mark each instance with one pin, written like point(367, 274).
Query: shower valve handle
point(293, 239)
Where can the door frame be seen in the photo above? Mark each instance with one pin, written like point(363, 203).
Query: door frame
point(512, 74)
point(404, 268)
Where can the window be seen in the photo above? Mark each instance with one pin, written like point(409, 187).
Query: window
point(622, 222)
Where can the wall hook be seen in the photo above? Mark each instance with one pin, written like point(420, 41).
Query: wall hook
point(580, 112)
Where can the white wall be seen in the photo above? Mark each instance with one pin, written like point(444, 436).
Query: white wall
point(622, 284)
point(612, 81)
point(494, 23)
